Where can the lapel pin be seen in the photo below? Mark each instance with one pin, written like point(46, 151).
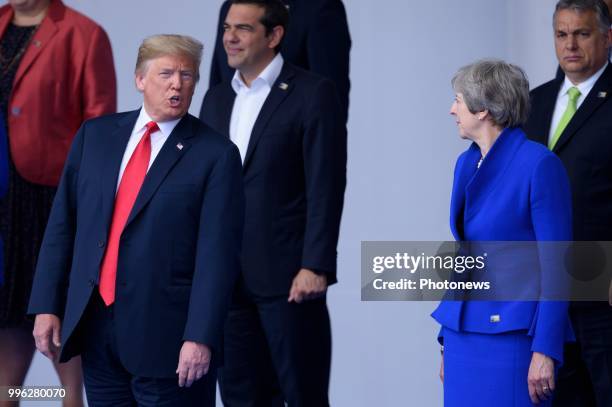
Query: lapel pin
point(36, 43)
point(602, 94)
point(283, 86)
point(179, 146)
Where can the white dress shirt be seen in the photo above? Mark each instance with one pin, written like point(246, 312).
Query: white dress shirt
point(157, 139)
point(562, 98)
point(249, 101)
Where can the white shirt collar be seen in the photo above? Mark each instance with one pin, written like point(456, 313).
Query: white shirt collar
point(584, 87)
point(164, 127)
point(268, 76)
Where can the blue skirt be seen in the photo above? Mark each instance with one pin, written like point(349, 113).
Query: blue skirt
point(487, 370)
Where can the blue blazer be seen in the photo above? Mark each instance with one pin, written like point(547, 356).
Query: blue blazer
point(179, 252)
point(3, 183)
point(520, 193)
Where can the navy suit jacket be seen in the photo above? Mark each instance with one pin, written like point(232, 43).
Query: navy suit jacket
point(294, 179)
point(317, 40)
point(585, 148)
point(3, 182)
point(520, 193)
point(179, 251)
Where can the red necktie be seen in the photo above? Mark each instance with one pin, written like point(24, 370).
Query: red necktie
point(131, 181)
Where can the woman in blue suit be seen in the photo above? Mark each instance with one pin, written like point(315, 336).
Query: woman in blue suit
point(3, 183)
point(506, 188)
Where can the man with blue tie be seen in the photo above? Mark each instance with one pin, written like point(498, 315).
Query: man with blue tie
point(288, 126)
point(572, 115)
point(142, 246)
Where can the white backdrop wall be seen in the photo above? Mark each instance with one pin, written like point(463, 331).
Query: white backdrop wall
point(402, 148)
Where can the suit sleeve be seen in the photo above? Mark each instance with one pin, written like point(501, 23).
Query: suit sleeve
point(218, 251)
point(99, 90)
point(324, 149)
point(3, 184)
point(328, 44)
point(551, 212)
point(219, 63)
point(50, 284)
point(3, 162)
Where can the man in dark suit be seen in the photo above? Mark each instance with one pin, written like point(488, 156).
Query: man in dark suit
point(317, 40)
point(573, 116)
point(3, 183)
point(142, 246)
point(292, 140)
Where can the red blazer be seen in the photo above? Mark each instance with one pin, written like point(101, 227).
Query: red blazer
point(66, 76)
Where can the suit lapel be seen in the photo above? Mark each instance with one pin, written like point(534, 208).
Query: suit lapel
point(226, 106)
point(165, 160)
point(484, 181)
point(547, 112)
point(113, 155)
point(597, 96)
point(280, 90)
point(48, 28)
point(464, 174)
point(5, 20)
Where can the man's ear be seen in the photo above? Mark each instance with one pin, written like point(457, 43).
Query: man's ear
point(276, 36)
point(140, 82)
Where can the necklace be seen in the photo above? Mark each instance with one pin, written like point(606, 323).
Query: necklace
point(479, 162)
point(7, 64)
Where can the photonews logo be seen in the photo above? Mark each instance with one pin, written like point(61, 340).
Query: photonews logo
point(486, 271)
point(421, 271)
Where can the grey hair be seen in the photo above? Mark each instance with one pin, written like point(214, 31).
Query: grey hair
point(599, 7)
point(161, 45)
point(496, 86)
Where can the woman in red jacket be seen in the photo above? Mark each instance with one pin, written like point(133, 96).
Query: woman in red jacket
point(56, 70)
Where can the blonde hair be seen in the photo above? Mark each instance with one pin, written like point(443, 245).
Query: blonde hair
point(160, 45)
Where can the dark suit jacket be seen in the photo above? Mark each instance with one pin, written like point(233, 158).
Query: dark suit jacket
point(179, 251)
point(520, 193)
point(317, 40)
point(3, 183)
point(585, 148)
point(294, 179)
point(65, 77)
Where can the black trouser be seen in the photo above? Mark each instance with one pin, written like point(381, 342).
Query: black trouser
point(585, 379)
point(276, 352)
point(108, 383)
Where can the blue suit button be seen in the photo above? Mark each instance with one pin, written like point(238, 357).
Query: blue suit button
point(100, 244)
